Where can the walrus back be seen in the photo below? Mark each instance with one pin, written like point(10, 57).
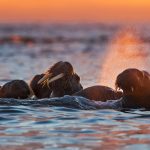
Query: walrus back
point(99, 93)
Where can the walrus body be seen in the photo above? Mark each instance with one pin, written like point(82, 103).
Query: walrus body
point(136, 88)
point(39, 90)
point(18, 89)
point(99, 93)
point(61, 80)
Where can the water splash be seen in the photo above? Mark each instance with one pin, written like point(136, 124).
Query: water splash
point(126, 51)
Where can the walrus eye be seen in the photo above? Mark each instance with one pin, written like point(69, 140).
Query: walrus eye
point(46, 76)
point(55, 78)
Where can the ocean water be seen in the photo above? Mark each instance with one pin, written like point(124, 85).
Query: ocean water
point(98, 53)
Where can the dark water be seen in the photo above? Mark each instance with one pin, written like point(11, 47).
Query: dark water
point(26, 50)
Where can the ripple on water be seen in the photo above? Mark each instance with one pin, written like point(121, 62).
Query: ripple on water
point(59, 127)
point(29, 127)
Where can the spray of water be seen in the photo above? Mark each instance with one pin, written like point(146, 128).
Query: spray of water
point(126, 51)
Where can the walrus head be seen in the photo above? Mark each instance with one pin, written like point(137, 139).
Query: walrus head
point(39, 90)
point(133, 82)
point(61, 79)
point(18, 89)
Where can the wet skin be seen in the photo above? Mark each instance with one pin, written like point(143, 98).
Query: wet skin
point(99, 93)
point(18, 89)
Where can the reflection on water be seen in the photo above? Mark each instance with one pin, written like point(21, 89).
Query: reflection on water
point(28, 50)
point(33, 128)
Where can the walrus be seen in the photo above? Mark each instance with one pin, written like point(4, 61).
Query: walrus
point(99, 93)
point(136, 94)
point(39, 90)
point(61, 80)
point(136, 87)
point(18, 89)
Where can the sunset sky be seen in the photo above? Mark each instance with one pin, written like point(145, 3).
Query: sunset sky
point(45, 11)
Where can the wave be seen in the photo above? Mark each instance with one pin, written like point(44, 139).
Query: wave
point(66, 101)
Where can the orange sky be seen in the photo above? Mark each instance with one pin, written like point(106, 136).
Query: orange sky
point(75, 11)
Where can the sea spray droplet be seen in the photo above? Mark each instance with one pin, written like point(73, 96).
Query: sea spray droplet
point(126, 51)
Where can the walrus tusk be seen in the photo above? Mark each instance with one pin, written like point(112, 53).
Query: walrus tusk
point(46, 76)
point(56, 78)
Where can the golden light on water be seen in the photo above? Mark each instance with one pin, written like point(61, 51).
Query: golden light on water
point(126, 51)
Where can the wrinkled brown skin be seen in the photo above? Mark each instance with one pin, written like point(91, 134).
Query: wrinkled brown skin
point(39, 90)
point(18, 89)
point(99, 93)
point(136, 87)
point(67, 85)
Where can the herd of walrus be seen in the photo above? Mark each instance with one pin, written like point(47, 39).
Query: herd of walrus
point(132, 87)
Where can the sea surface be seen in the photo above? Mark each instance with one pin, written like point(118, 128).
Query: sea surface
point(98, 53)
